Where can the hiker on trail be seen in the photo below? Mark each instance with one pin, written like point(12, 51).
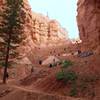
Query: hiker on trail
point(79, 51)
point(40, 62)
point(78, 48)
point(50, 65)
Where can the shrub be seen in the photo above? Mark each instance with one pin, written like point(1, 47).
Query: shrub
point(60, 76)
point(66, 64)
point(66, 76)
point(70, 76)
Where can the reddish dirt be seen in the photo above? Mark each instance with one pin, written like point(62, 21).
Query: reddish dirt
point(87, 67)
point(43, 78)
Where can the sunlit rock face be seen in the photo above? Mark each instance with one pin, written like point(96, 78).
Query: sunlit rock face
point(40, 30)
point(89, 22)
point(47, 31)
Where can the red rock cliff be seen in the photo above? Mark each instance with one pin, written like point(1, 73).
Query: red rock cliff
point(39, 26)
point(89, 22)
point(39, 29)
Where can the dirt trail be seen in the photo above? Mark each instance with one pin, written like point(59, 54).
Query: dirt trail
point(20, 93)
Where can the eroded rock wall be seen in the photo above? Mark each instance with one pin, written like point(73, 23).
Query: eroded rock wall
point(40, 30)
point(37, 27)
point(89, 22)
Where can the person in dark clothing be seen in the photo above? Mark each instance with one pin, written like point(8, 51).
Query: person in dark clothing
point(50, 65)
point(40, 62)
point(79, 51)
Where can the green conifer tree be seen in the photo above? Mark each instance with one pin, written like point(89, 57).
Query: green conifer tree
point(11, 33)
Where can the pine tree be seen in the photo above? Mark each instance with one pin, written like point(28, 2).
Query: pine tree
point(11, 34)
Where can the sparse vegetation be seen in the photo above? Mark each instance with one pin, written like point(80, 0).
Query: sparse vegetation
point(66, 63)
point(63, 75)
point(70, 73)
point(70, 76)
point(66, 76)
point(73, 91)
point(60, 76)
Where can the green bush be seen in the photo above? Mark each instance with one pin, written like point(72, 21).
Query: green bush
point(66, 76)
point(70, 76)
point(66, 64)
point(60, 75)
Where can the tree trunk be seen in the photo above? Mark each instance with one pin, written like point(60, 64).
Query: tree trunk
point(6, 59)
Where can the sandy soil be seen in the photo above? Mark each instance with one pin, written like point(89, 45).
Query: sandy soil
point(42, 83)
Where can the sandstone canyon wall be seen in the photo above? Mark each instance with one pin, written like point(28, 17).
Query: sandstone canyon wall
point(89, 23)
point(40, 30)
